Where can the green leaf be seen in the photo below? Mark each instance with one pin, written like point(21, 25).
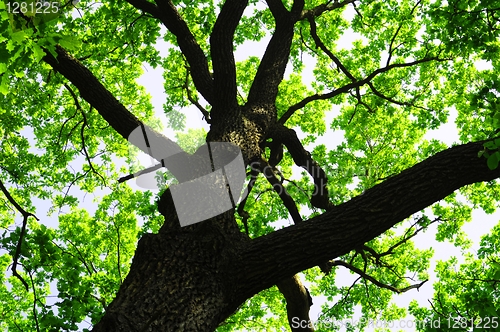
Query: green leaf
point(490, 145)
point(493, 160)
point(70, 43)
point(38, 52)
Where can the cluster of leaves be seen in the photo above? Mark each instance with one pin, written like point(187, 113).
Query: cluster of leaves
point(467, 295)
point(55, 149)
point(75, 269)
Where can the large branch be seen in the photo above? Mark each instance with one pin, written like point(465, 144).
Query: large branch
point(270, 73)
point(277, 9)
point(93, 91)
point(298, 302)
point(221, 49)
point(166, 12)
point(123, 121)
point(302, 158)
point(266, 260)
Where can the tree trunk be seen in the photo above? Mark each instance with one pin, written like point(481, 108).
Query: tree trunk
point(180, 278)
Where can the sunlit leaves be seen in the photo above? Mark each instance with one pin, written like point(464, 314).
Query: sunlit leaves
point(92, 252)
point(309, 119)
point(266, 311)
point(245, 72)
point(465, 293)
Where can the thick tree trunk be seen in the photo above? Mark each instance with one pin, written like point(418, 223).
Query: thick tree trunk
point(180, 278)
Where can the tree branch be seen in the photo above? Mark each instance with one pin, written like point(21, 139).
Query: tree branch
point(292, 109)
point(35, 298)
point(281, 254)
point(322, 46)
point(287, 200)
point(373, 280)
point(320, 9)
point(393, 39)
point(92, 91)
point(241, 207)
point(221, 49)
point(302, 158)
point(379, 94)
point(166, 12)
point(264, 88)
point(407, 236)
point(298, 302)
point(193, 101)
point(25, 215)
point(82, 133)
point(277, 9)
point(123, 121)
point(298, 299)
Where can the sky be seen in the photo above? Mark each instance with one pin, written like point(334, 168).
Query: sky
point(480, 224)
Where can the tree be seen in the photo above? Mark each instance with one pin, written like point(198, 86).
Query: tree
point(70, 102)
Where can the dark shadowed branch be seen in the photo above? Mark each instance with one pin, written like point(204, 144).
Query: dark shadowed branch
point(166, 12)
point(25, 215)
point(118, 117)
point(302, 158)
point(278, 187)
point(405, 238)
point(298, 302)
point(277, 8)
point(264, 88)
point(92, 91)
point(221, 49)
point(412, 103)
point(350, 225)
point(325, 7)
point(322, 46)
point(373, 280)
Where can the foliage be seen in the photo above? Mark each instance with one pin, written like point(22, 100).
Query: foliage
point(57, 151)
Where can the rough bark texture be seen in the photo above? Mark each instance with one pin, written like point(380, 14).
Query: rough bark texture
point(193, 278)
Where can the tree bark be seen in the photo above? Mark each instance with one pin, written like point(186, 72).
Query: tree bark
point(193, 278)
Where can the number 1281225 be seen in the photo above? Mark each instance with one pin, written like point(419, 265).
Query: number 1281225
point(32, 7)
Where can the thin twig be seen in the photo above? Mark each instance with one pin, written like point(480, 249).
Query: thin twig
point(21, 236)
